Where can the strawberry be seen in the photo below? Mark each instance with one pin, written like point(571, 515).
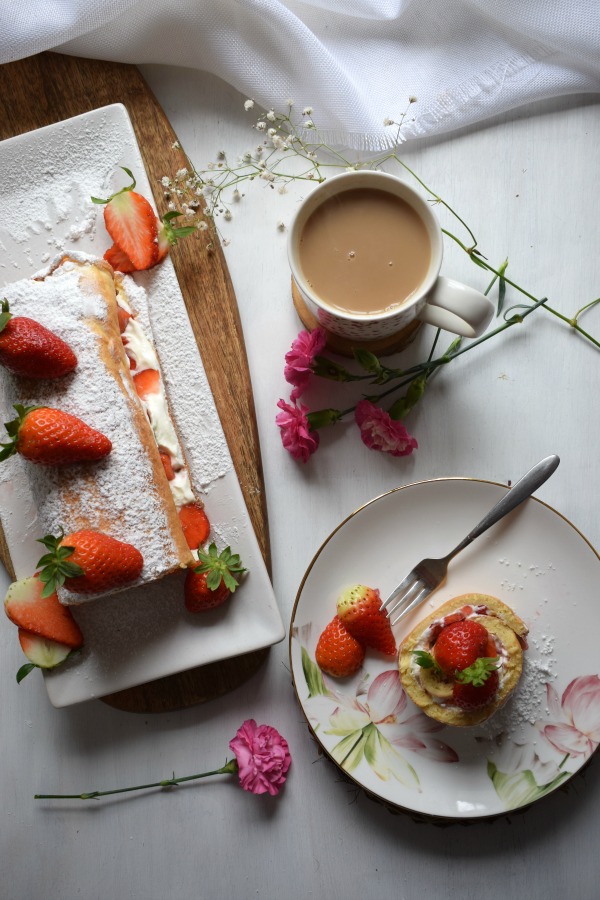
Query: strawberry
point(123, 317)
point(87, 562)
point(119, 260)
point(468, 695)
point(28, 348)
point(51, 437)
point(131, 223)
point(338, 653)
point(168, 467)
point(41, 652)
point(45, 616)
point(210, 583)
point(359, 608)
point(459, 645)
point(147, 382)
point(195, 524)
point(140, 239)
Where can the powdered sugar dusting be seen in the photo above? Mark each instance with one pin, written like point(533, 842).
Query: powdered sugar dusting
point(112, 495)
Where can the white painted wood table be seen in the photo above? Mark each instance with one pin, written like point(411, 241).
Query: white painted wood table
point(526, 184)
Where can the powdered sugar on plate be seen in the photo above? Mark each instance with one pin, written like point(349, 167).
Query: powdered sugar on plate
point(46, 180)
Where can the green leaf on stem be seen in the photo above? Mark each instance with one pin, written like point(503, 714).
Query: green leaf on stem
point(501, 286)
point(322, 417)
point(368, 361)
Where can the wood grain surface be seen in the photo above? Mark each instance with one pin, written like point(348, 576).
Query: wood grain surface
point(51, 87)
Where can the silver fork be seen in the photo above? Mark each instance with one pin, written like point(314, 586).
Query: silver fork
point(430, 573)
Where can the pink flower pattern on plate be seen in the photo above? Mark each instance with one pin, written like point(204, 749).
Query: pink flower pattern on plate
point(575, 725)
point(379, 431)
point(376, 724)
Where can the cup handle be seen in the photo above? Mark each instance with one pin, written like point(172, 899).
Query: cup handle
point(457, 308)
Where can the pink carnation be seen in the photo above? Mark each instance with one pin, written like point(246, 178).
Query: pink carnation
point(296, 434)
point(299, 359)
point(380, 432)
point(263, 758)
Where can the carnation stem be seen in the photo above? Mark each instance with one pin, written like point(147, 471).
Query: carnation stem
point(229, 768)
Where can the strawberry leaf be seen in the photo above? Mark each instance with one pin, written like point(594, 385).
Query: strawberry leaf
point(129, 187)
point(25, 670)
point(425, 660)
point(55, 565)
point(5, 315)
point(219, 567)
point(479, 671)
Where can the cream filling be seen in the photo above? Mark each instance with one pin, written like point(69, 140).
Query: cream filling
point(138, 348)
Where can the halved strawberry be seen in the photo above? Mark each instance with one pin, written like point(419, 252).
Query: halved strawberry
point(41, 652)
point(359, 608)
point(123, 317)
point(132, 224)
point(119, 260)
point(195, 524)
point(45, 616)
point(147, 382)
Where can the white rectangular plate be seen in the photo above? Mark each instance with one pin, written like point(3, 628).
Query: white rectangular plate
point(46, 180)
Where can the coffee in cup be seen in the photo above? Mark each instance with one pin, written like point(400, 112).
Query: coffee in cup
point(365, 252)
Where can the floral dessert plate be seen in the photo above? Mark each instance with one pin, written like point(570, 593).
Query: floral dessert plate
point(46, 180)
point(537, 563)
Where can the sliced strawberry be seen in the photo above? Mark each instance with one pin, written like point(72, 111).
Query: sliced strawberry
point(41, 652)
point(123, 317)
point(147, 382)
point(338, 653)
point(131, 223)
point(119, 260)
point(195, 524)
point(359, 608)
point(168, 467)
point(44, 616)
point(168, 235)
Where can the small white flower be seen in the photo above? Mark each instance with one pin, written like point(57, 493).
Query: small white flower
point(271, 116)
point(172, 206)
point(282, 189)
point(279, 143)
point(267, 176)
point(387, 122)
point(226, 242)
point(181, 174)
point(281, 226)
point(237, 196)
point(289, 102)
point(272, 132)
point(412, 99)
point(307, 110)
point(176, 145)
point(190, 212)
point(228, 215)
point(309, 123)
point(261, 126)
point(165, 181)
point(202, 226)
point(247, 157)
point(350, 168)
point(249, 104)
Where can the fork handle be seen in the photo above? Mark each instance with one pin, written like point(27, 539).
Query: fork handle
point(520, 491)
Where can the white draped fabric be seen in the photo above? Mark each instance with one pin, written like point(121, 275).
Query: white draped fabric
point(356, 62)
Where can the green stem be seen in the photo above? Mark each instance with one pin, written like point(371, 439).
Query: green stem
point(230, 767)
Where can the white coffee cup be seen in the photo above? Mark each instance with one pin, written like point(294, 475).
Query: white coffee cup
point(439, 301)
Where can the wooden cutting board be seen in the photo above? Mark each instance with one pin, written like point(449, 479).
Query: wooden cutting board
point(48, 88)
